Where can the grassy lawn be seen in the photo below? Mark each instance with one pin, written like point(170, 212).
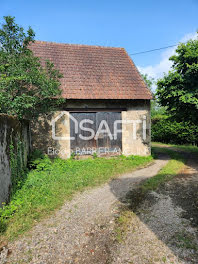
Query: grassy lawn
point(50, 183)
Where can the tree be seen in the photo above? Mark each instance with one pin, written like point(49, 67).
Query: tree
point(178, 90)
point(156, 109)
point(148, 80)
point(26, 88)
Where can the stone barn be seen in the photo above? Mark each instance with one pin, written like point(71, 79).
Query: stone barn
point(106, 108)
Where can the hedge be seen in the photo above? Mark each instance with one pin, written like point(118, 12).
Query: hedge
point(169, 131)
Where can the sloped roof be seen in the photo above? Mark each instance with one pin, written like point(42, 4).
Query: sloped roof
point(93, 72)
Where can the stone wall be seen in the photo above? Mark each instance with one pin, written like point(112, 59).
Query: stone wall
point(41, 135)
point(134, 141)
point(12, 132)
point(130, 109)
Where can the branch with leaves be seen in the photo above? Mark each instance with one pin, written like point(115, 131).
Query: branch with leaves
point(178, 90)
point(26, 88)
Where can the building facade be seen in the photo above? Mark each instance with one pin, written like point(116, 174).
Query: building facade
point(107, 103)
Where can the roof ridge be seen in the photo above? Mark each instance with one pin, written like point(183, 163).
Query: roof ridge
point(80, 45)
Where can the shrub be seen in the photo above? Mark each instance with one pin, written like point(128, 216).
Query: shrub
point(166, 130)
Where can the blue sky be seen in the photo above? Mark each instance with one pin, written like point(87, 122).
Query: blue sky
point(135, 25)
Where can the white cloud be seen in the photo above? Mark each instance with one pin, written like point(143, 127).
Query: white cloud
point(158, 70)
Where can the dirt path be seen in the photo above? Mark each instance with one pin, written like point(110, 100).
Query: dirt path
point(80, 232)
point(164, 228)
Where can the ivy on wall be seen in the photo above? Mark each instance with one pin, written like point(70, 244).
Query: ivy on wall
point(17, 164)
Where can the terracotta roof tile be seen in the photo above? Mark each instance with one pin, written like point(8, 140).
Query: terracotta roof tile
point(93, 72)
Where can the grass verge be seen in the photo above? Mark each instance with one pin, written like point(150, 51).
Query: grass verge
point(169, 171)
point(50, 183)
point(186, 148)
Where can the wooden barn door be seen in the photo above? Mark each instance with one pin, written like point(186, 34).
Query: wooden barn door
point(103, 141)
point(79, 143)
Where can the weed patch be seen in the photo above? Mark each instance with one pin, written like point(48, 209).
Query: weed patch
point(122, 225)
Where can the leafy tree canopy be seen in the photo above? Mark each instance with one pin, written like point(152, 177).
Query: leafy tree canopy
point(156, 109)
point(178, 90)
point(26, 88)
point(148, 80)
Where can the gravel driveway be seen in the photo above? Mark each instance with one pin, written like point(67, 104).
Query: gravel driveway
point(67, 236)
point(163, 227)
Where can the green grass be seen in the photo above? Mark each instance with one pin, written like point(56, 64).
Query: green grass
point(50, 183)
point(186, 148)
point(122, 225)
point(192, 149)
point(170, 170)
point(186, 240)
